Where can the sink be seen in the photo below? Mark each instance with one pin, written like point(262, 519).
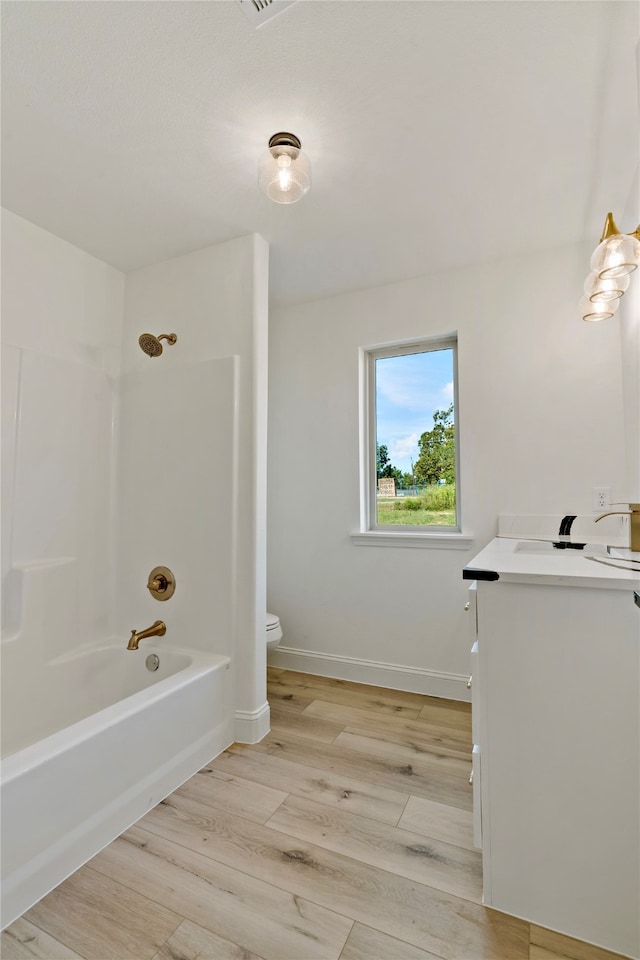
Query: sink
point(535, 546)
point(550, 547)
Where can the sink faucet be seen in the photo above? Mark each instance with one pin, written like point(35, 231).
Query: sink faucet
point(158, 629)
point(634, 513)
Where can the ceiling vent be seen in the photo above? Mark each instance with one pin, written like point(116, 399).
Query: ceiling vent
point(260, 11)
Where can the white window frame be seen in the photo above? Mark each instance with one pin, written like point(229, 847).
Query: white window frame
point(371, 533)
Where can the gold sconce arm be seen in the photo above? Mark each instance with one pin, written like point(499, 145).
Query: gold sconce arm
point(610, 229)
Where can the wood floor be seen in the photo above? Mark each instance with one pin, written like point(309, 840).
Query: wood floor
point(345, 835)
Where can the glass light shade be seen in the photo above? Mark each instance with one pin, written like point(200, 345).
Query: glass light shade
point(601, 291)
point(285, 173)
point(598, 311)
point(616, 256)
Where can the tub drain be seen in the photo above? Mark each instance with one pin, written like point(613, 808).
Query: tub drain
point(153, 661)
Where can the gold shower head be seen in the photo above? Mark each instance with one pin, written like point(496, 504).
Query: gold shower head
point(151, 345)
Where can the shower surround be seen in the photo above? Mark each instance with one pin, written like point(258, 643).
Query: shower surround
point(115, 462)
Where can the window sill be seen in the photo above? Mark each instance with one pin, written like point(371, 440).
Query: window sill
point(433, 541)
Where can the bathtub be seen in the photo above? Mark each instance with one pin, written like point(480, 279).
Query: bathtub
point(100, 740)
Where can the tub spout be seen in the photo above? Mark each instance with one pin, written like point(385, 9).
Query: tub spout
point(158, 629)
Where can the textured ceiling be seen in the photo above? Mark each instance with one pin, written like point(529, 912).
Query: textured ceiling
point(440, 133)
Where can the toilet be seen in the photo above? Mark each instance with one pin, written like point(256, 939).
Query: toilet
point(274, 631)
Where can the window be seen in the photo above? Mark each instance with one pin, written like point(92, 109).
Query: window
point(409, 445)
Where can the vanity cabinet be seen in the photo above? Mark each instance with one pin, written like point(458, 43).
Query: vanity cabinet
point(474, 683)
point(556, 730)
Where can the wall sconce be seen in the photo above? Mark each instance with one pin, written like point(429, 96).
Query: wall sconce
point(614, 259)
point(285, 171)
point(599, 290)
point(599, 310)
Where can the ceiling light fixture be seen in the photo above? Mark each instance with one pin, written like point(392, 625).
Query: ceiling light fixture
point(285, 171)
point(616, 256)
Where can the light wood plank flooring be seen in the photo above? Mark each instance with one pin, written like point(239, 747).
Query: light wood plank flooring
point(345, 835)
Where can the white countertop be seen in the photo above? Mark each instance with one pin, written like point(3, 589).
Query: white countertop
point(536, 561)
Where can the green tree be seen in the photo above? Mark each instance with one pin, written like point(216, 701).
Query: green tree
point(384, 467)
point(382, 459)
point(407, 480)
point(437, 459)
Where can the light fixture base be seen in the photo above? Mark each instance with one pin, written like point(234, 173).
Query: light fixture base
point(610, 228)
point(285, 140)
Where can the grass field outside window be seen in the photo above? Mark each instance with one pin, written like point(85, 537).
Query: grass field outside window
point(435, 507)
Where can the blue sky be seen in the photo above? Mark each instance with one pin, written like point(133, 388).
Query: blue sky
point(409, 389)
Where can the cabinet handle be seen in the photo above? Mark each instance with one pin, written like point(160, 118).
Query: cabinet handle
point(469, 681)
point(466, 606)
point(471, 777)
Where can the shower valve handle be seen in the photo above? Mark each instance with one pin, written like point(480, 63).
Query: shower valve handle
point(161, 583)
point(158, 584)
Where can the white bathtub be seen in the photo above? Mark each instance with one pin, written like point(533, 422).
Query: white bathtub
point(100, 741)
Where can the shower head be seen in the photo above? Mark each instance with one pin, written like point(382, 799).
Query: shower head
point(151, 345)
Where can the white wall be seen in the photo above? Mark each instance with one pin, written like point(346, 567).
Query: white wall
point(629, 315)
point(192, 462)
point(541, 422)
point(61, 336)
point(630, 342)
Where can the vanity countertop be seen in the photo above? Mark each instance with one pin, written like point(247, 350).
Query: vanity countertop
point(539, 561)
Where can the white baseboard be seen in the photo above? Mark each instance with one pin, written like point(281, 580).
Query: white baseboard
point(252, 725)
point(395, 676)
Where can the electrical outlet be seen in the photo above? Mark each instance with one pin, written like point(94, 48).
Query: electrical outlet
point(600, 498)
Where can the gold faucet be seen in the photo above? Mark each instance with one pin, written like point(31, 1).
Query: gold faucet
point(634, 523)
point(158, 629)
